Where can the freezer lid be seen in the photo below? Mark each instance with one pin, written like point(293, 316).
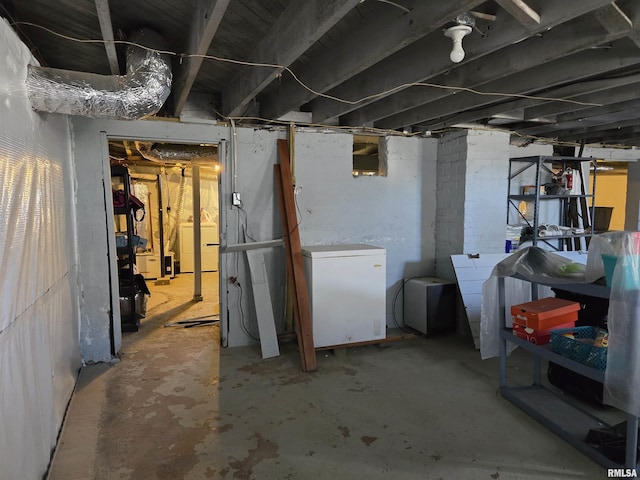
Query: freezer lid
point(349, 250)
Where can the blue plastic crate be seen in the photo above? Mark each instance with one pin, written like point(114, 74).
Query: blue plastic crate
point(595, 357)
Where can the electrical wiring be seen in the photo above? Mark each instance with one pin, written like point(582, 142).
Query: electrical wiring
point(234, 281)
point(246, 226)
point(393, 305)
point(371, 130)
point(242, 317)
point(284, 68)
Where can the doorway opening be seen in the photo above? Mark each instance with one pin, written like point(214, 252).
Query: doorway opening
point(171, 242)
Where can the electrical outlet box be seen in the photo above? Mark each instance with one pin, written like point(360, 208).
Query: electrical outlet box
point(235, 199)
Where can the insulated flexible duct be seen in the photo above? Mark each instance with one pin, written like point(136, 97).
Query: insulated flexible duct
point(164, 153)
point(139, 93)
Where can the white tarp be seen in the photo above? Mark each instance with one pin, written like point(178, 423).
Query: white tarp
point(615, 255)
point(177, 199)
point(621, 254)
point(39, 353)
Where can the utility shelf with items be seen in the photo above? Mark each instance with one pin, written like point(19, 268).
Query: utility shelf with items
point(566, 418)
point(132, 288)
point(548, 198)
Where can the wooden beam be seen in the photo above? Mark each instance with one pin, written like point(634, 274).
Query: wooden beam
point(582, 65)
point(489, 74)
point(297, 29)
point(615, 20)
point(207, 17)
point(402, 67)
point(617, 135)
point(522, 12)
point(616, 112)
point(295, 266)
point(624, 93)
point(535, 108)
point(373, 39)
point(104, 17)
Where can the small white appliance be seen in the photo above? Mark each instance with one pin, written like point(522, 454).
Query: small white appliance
point(429, 304)
point(347, 289)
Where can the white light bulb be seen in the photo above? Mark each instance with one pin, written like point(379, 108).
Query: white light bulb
point(456, 34)
point(457, 52)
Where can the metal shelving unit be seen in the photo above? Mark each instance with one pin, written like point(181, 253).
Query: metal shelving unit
point(573, 209)
point(567, 420)
point(126, 255)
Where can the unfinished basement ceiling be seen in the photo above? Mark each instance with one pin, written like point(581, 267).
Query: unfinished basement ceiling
point(565, 70)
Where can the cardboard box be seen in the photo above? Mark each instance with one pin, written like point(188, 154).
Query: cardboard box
point(545, 314)
point(539, 337)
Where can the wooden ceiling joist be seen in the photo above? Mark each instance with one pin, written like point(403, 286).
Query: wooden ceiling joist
point(522, 12)
point(402, 68)
point(366, 48)
point(104, 17)
point(207, 17)
point(297, 29)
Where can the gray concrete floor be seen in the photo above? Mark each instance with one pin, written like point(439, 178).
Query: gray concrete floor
point(179, 407)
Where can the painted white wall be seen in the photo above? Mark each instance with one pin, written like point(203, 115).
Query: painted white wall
point(99, 305)
point(39, 354)
point(486, 191)
point(450, 200)
point(396, 212)
point(530, 150)
point(473, 167)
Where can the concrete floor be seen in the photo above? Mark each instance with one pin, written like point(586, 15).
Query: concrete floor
point(179, 407)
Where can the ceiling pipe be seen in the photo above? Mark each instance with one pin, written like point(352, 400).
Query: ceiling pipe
point(168, 153)
point(139, 93)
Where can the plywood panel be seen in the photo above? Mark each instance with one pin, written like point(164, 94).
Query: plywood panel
point(262, 301)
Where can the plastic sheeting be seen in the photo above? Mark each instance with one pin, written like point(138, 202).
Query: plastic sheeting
point(534, 264)
point(139, 93)
point(177, 195)
point(613, 255)
point(39, 353)
point(621, 254)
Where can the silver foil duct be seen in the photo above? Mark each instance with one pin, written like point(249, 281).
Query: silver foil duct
point(162, 153)
point(139, 93)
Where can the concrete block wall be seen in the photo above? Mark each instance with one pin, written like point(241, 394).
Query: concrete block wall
point(395, 212)
point(485, 193)
point(471, 207)
point(471, 195)
point(450, 200)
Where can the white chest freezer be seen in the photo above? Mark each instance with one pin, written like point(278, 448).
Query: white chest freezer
point(347, 293)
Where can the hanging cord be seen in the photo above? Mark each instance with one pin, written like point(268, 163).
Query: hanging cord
point(393, 307)
point(284, 68)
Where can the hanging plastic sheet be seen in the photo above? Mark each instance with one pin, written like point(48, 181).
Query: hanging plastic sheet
point(533, 264)
point(612, 256)
point(39, 352)
point(618, 254)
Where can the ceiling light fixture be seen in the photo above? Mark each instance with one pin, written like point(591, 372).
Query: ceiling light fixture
point(456, 34)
